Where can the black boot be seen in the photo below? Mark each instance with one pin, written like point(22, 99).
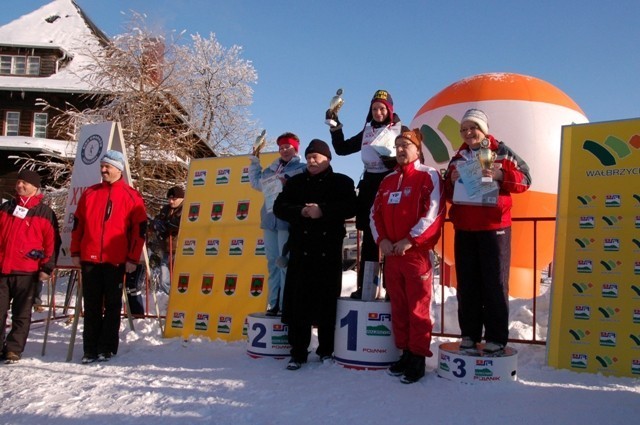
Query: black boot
point(357, 294)
point(415, 369)
point(398, 368)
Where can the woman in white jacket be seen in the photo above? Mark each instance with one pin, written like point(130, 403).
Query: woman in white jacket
point(270, 181)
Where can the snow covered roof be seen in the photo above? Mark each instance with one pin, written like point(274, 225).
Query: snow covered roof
point(59, 24)
point(57, 148)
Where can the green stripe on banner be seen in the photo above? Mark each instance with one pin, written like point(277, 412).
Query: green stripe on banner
point(434, 144)
point(619, 147)
point(451, 130)
point(600, 152)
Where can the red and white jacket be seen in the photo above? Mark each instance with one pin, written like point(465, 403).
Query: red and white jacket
point(30, 244)
point(110, 224)
point(516, 179)
point(409, 204)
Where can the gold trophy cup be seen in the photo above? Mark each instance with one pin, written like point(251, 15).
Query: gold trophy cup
point(334, 106)
point(486, 157)
point(260, 143)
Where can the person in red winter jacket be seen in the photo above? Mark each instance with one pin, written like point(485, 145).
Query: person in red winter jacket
point(29, 242)
point(108, 234)
point(406, 220)
point(482, 242)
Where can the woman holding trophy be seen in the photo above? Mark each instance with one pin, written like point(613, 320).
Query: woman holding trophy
point(270, 182)
point(375, 142)
point(482, 242)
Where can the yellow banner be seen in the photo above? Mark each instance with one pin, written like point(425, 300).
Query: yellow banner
point(595, 316)
point(220, 273)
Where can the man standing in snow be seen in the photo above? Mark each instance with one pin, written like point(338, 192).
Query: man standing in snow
point(406, 218)
point(315, 203)
point(108, 234)
point(29, 242)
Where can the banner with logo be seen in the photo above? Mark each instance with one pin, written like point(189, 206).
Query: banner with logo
point(220, 273)
point(595, 315)
point(94, 140)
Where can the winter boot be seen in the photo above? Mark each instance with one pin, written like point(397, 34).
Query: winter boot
point(398, 368)
point(414, 370)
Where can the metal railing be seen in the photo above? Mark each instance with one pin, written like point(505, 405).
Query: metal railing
point(440, 274)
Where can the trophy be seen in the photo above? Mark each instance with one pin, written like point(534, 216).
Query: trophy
point(334, 107)
point(486, 157)
point(260, 142)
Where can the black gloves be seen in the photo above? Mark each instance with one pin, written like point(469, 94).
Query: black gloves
point(331, 119)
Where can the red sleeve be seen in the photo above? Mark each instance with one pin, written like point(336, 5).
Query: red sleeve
point(78, 226)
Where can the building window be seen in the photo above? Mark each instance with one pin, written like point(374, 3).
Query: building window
point(5, 64)
point(20, 65)
point(33, 65)
point(13, 124)
point(40, 125)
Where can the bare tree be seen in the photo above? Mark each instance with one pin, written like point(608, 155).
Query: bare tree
point(214, 86)
point(174, 102)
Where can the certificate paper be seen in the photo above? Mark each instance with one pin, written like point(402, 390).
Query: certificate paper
point(271, 187)
point(469, 188)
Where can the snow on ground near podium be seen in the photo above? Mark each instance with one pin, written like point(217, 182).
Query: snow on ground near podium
point(166, 381)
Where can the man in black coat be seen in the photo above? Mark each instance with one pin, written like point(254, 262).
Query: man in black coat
point(315, 203)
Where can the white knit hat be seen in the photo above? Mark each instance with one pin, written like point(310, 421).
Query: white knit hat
point(114, 158)
point(478, 117)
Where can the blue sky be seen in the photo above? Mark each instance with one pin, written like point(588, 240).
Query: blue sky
point(303, 51)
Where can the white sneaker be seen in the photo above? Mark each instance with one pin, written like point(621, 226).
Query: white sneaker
point(492, 347)
point(467, 343)
point(294, 365)
point(326, 359)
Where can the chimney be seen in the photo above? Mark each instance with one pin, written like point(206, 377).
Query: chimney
point(153, 59)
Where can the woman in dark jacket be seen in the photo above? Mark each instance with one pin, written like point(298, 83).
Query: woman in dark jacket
point(375, 143)
point(315, 203)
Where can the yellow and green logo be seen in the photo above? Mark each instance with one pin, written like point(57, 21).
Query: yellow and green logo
point(612, 149)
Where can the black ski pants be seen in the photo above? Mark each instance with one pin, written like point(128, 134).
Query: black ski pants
point(102, 296)
point(16, 291)
point(482, 267)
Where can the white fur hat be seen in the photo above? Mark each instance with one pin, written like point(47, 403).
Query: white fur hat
point(478, 117)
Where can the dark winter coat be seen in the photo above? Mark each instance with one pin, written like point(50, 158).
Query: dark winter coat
point(368, 185)
point(314, 276)
point(166, 225)
point(28, 245)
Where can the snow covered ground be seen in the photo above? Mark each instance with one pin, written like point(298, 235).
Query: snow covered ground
point(164, 381)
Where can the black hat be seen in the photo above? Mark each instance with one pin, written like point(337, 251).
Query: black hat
point(30, 176)
point(318, 146)
point(175, 192)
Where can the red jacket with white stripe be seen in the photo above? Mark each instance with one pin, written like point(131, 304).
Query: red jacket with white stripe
point(516, 179)
point(110, 224)
point(30, 244)
point(416, 210)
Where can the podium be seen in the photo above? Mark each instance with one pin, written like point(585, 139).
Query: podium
point(474, 366)
point(267, 337)
point(363, 335)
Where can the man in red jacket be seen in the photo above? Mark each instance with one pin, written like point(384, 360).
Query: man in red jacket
point(29, 241)
point(406, 219)
point(108, 235)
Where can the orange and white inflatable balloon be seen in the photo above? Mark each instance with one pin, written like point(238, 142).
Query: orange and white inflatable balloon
point(527, 114)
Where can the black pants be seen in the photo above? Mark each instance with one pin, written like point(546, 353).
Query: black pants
point(482, 267)
point(17, 291)
point(367, 190)
point(134, 283)
point(300, 338)
point(102, 295)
